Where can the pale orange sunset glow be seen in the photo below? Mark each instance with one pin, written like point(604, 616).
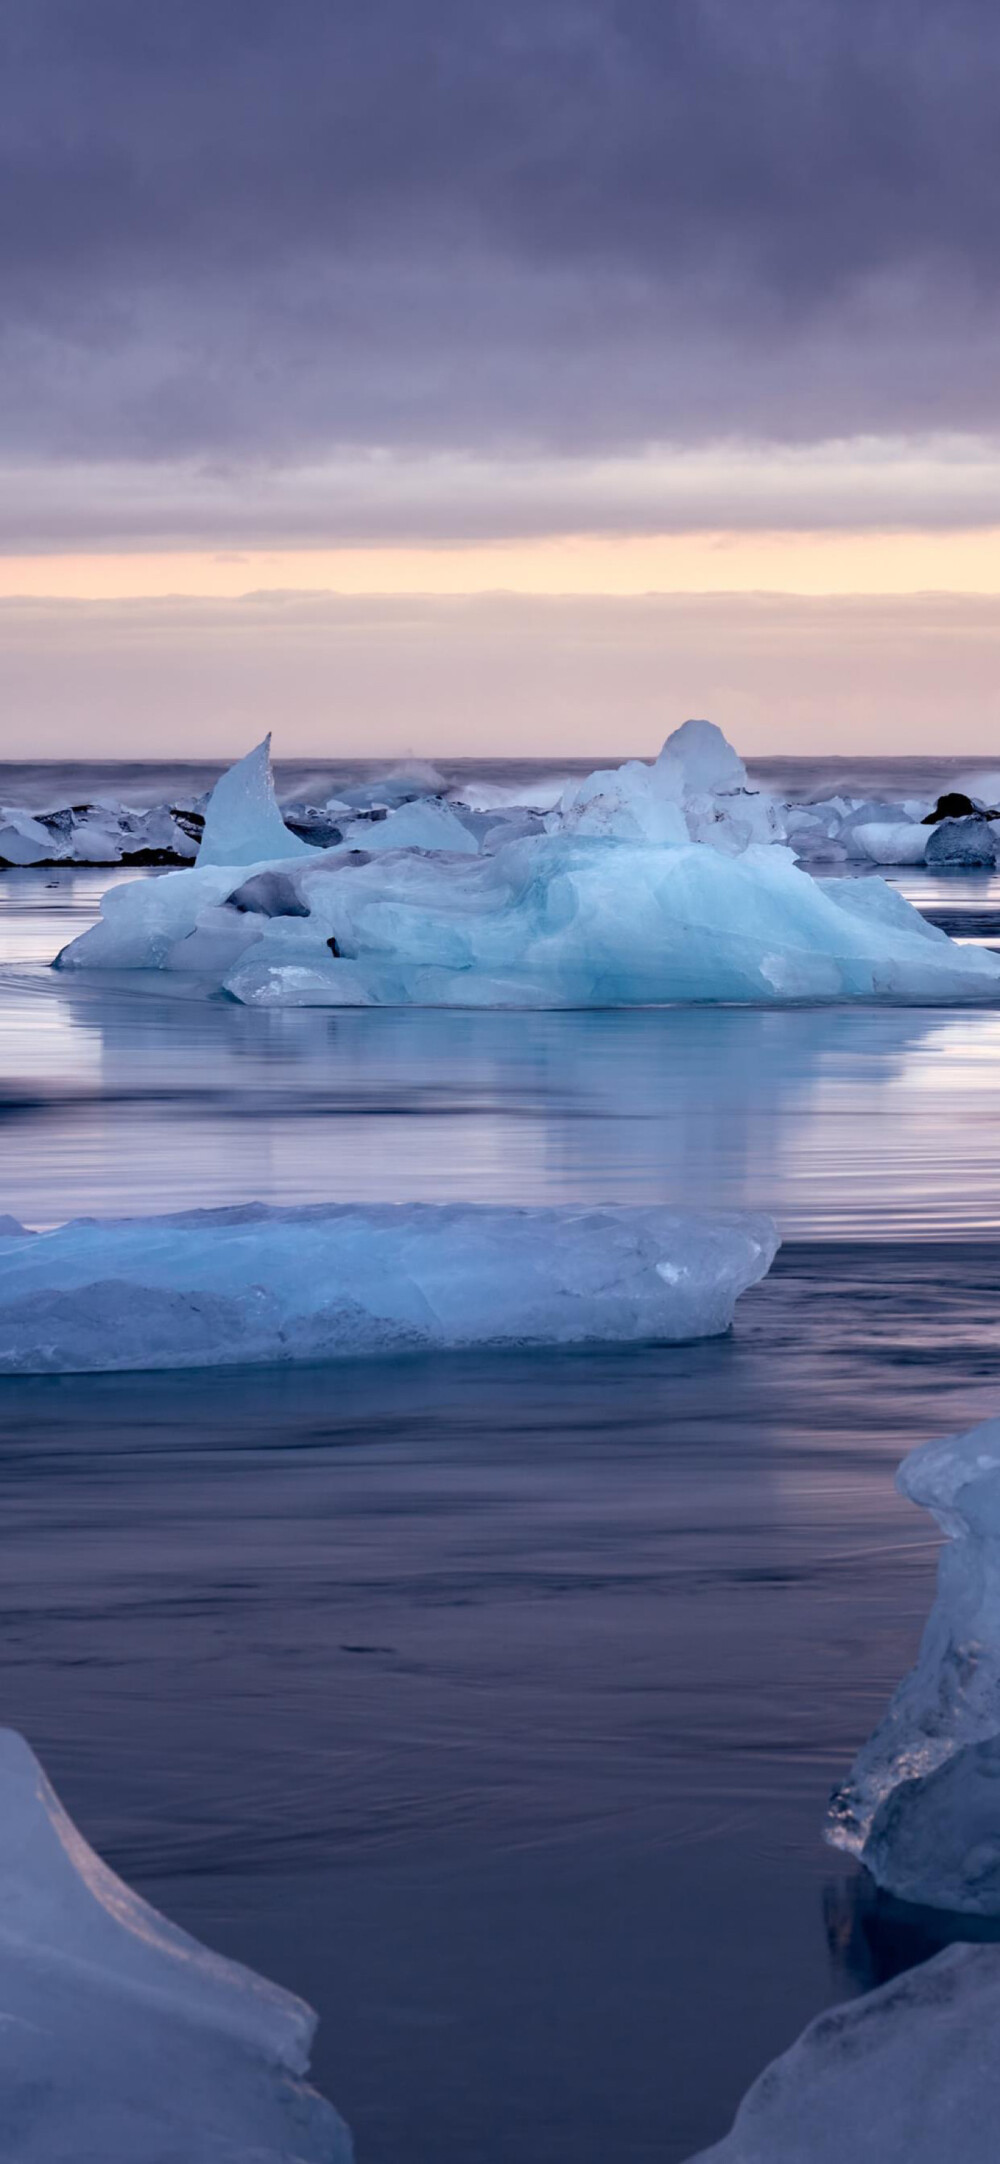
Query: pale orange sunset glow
point(805, 564)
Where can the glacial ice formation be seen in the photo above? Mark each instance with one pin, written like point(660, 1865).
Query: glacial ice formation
point(243, 824)
point(122, 2040)
point(213, 1288)
point(909, 2074)
point(921, 1806)
point(639, 888)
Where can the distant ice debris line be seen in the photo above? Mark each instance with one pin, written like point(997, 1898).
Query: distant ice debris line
point(697, 771)
point(217, 1288)
point(122, 2040)
point(647, 884)
point(100, 833)
point(921, 1807)
point(909, 2074)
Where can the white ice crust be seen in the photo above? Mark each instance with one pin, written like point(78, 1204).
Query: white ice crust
point(921, 1806)
point(909, 2074)
point(213, 1288)
point(647, 884)
point(122, 2040)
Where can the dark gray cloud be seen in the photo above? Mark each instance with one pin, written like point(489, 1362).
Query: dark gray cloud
point(273, 227)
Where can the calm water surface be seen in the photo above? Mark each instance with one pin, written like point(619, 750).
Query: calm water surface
point(493, 1701)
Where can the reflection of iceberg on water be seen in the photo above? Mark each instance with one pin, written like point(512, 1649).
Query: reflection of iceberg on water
point(122, 2040)
point(211, 1288)
point(921, 1807)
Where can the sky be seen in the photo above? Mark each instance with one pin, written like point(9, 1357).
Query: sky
point(429, 375)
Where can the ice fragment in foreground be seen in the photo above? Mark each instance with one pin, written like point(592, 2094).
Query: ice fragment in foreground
point(921, 1807)
point(910, 2074)
point(243, 824)
point(213, 1288)
point(122, 2040)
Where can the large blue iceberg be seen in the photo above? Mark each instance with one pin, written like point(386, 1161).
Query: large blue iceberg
point(646, 884)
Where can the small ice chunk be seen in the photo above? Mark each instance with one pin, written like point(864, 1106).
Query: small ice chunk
point(243, 824)
point(630, 803)
point(909, 2074)
point(122, 2040)
point(709, 764)
point(24, 840)
point(921, 1806)
point(213, 1288)
point(898, 843)
point(425, 824)
point(962, 841)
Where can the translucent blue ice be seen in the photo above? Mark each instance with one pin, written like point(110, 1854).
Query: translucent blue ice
point(213, 1288)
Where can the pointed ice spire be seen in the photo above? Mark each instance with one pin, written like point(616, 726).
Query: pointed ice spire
point(243, 824)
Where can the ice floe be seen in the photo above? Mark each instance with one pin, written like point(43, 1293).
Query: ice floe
point(211, 1288)
point(921, 1807)
point(122, 2040)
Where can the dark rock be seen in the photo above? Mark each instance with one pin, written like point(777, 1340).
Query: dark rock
point(334, 949)
point(954, 805)
point(967, 841)
point(147, 856)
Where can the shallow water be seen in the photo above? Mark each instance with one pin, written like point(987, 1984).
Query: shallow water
point(493, 1701)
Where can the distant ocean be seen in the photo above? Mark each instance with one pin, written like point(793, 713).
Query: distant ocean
point(42, 785)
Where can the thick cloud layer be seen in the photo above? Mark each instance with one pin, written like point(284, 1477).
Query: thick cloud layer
point(281, 228)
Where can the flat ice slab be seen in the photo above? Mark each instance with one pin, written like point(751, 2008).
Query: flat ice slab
point(215, 1288)
point(122, 2040)
point(910, 2074)
point(921, 1806)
